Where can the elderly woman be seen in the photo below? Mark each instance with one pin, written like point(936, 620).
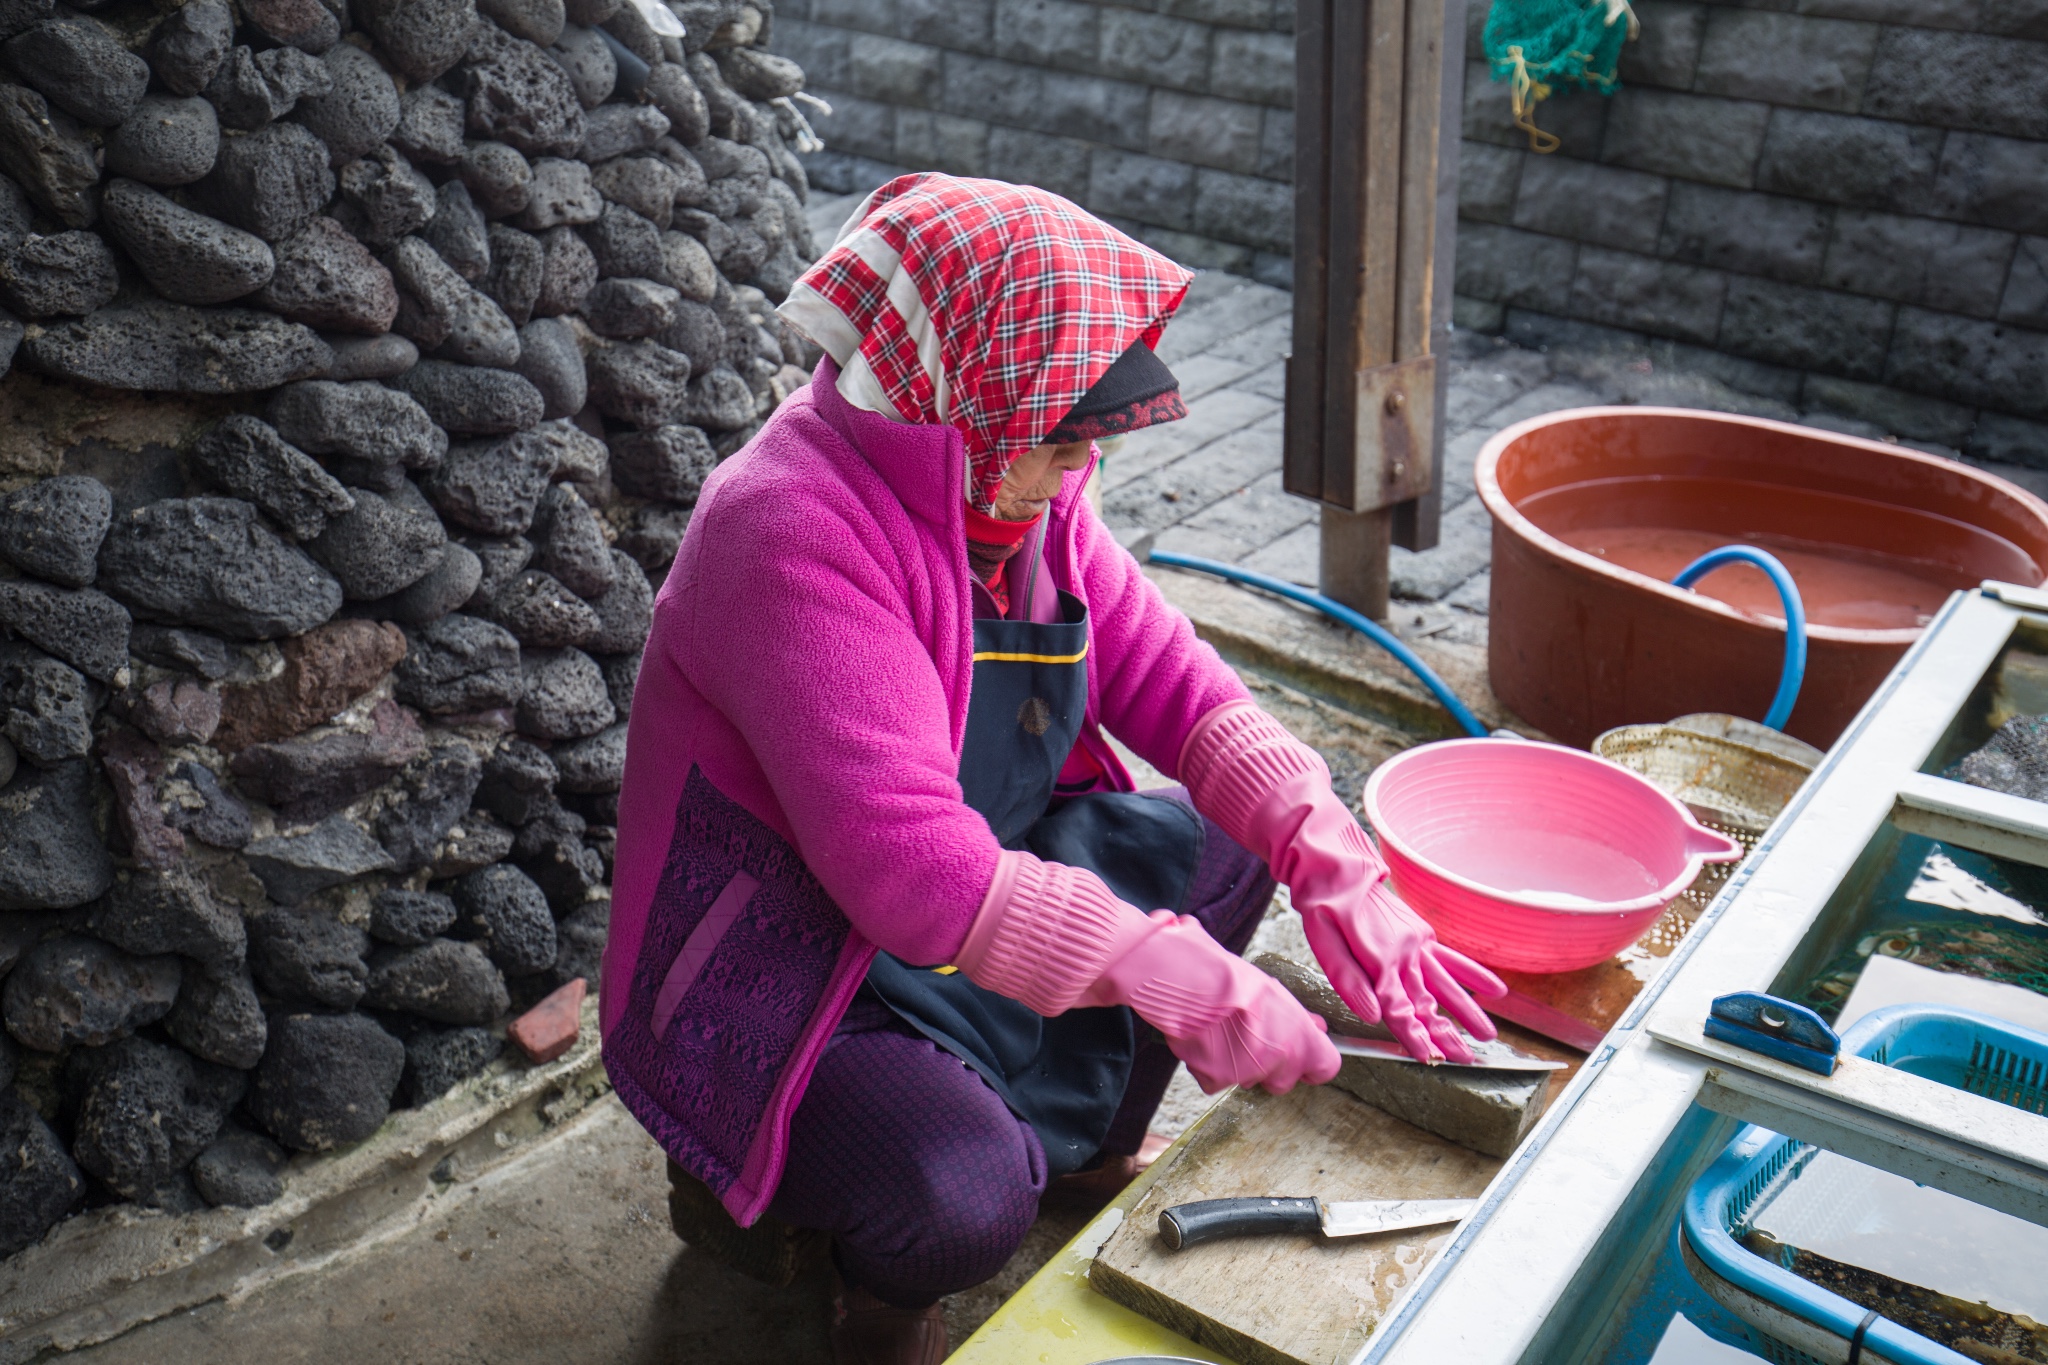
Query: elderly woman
point(895, 942)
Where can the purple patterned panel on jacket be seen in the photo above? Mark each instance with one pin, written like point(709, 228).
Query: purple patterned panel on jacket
point(703, 1085)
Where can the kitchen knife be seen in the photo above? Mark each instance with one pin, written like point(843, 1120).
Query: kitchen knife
point(1486, 1057)
point(1207, 1220)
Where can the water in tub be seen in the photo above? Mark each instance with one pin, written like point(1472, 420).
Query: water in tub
point(1861, 1217)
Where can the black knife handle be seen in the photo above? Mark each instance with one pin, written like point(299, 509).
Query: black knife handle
point(1207, 1220)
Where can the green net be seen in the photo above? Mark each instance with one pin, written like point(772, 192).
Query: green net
point(1539, 45)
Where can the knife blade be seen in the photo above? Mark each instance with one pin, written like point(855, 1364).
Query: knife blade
point(1209, 1220)
point(1486, 1057)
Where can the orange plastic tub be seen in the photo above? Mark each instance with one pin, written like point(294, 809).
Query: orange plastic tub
point(1596, 509)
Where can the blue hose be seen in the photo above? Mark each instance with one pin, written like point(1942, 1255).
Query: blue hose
point(1794, 671)
point(1793, 674)
point(1337, 611)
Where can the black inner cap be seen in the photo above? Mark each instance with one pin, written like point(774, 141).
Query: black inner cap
point(1133, 377)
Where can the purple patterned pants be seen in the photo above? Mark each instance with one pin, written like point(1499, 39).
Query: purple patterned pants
point(924, 1177)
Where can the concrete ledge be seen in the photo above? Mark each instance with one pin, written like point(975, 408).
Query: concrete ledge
point(108, 1270)
point(1314, 655)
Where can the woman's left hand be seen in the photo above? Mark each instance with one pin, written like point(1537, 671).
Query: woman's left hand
point(1385, 962)
point(1381, 956)
point(1272, 794)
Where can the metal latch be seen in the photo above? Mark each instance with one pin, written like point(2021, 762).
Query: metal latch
point(1778, 1029)
point(2016, 595)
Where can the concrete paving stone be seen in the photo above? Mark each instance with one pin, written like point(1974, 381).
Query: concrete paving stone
point(1790, 59)
point(1270, 382)
point(1586, 202)
point(562, 1254)
point(1549, 397)
point(828, 213)
point(1295, 557)
point(1661, 385)
point(1477, 315)
point(1207, 372)
point(1668, 48)
point(1207, 287)
point(1751, 234)
point(1261, 344)
point(1976, 81)
point(1474, 594)
point(1478, 387)
point(1194, 540)
point(1215, 415)
point(1461, 456)
point(1257, 514)
point(1179, 490)
point(1945, 266)
point(1464, 547)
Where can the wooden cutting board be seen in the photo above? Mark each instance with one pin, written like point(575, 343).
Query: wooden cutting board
point(1287, 1300)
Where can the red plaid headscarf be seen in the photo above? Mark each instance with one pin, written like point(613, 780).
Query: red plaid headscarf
point(990, 306)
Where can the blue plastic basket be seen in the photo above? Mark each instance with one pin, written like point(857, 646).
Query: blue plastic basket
point(1793, 1321)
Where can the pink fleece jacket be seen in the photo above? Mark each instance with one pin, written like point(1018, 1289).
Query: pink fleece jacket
point(811, 657)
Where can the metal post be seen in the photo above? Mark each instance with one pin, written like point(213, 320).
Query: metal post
point(1376, 117)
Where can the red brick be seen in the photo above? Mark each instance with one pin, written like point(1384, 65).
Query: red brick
point(549, 1029)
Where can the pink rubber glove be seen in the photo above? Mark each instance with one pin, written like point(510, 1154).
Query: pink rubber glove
point(1272, 794)
point(1054, 937)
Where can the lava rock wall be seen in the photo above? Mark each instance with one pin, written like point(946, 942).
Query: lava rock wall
point(365, 358)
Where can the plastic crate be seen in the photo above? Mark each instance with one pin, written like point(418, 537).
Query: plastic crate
point(1793, 1320)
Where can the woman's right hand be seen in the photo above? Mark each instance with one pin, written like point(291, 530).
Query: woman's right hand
point(1230, 1022)
point(1055, 937)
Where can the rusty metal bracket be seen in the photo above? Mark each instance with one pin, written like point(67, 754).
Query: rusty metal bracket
point(1396, 433)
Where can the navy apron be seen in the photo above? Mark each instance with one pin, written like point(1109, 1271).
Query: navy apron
point(1065, 1076)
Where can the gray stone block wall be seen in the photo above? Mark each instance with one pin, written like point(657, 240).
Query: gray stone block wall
point(1171, 118)
point(1850, 194)
point(1845, 199)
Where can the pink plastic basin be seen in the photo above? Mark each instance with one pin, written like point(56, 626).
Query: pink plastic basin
point(1533, 857)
